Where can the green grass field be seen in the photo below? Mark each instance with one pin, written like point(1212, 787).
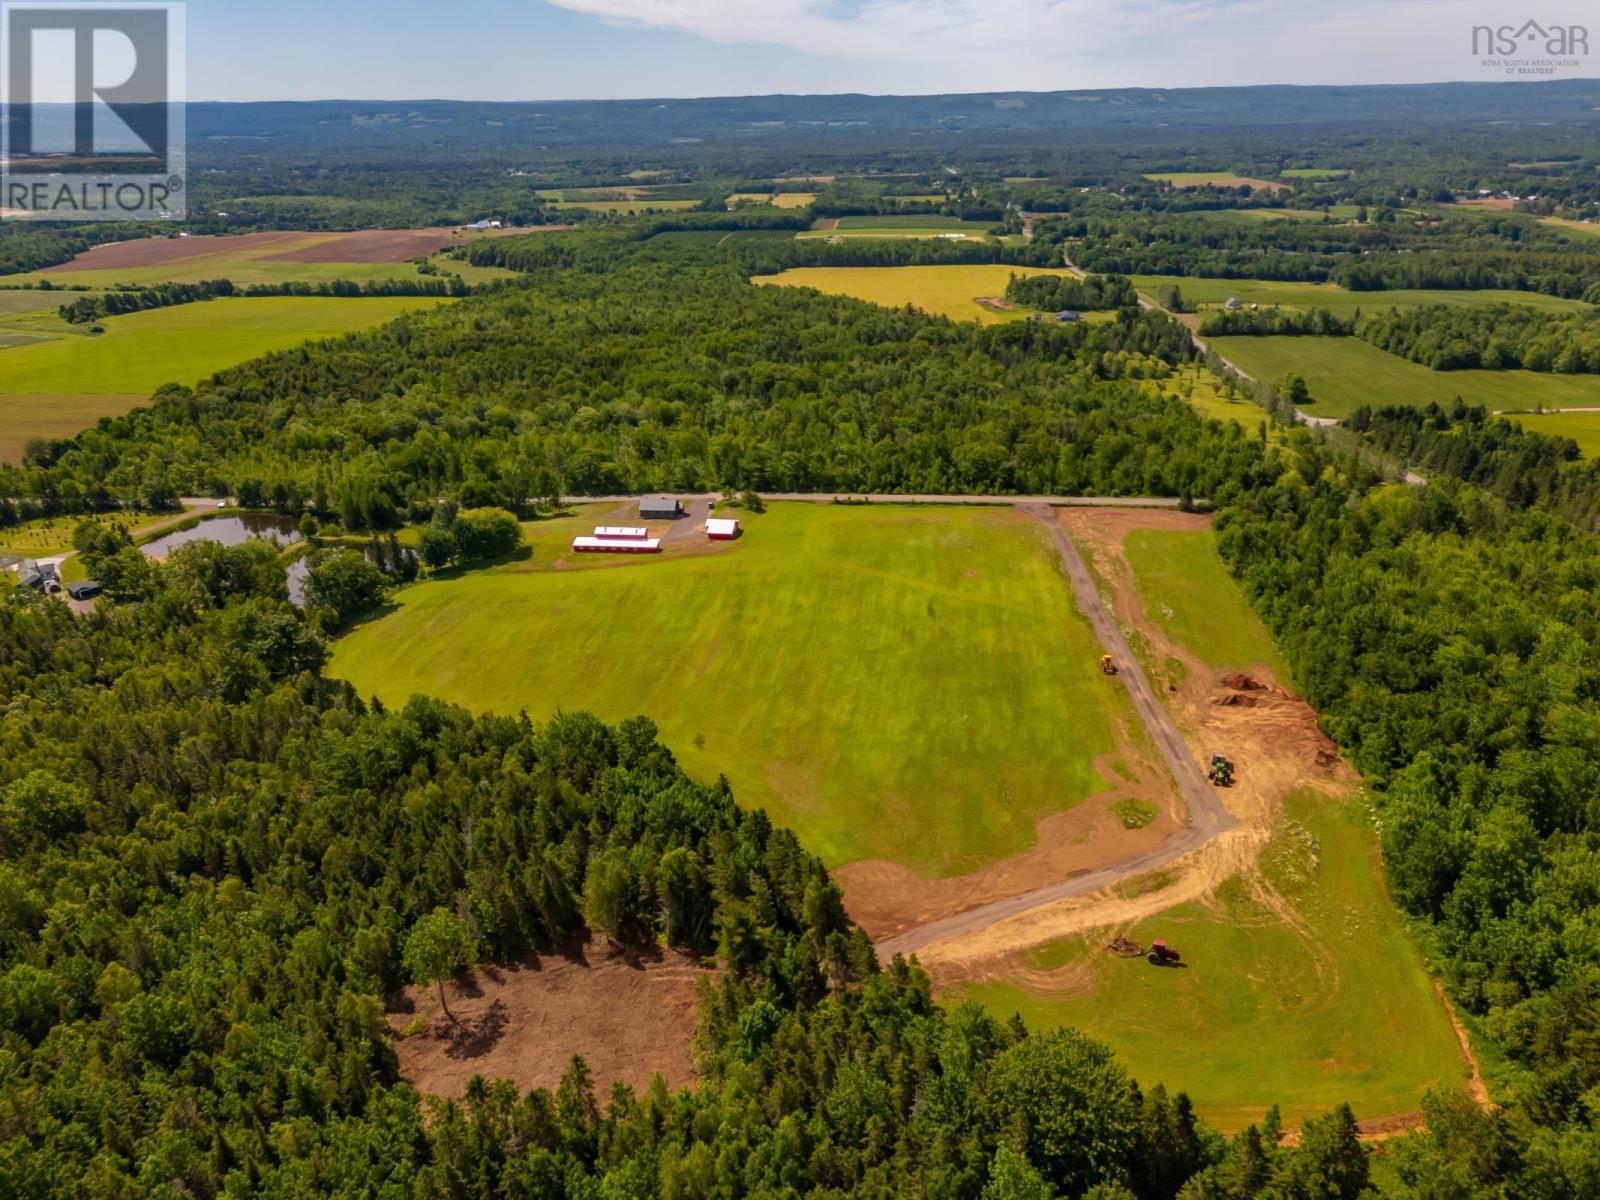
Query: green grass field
point(57, 387)
point(242, 267)
point(1220, 179)
point(1189, 593)
point(53, 535)
point(184, 344)
point(1201, 389)
point(1201, 292)
point(1302, 985)
point(948, 291)
point(1307, 995)
point(1345, 373)
point(1581, 427)
point(913, 684)
point(1313, 173)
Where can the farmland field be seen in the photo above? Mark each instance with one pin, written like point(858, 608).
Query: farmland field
point(1220, 179)
point(373, 255)
point(56, 388)
point(1201, 291)
point(1581, 427)
point(947, 291)
point(1344, 373)
point(912, 225)
point(1313, 173)
point(1309, 993)
point(839, 665)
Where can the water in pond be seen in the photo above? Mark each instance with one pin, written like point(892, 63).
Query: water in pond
point(229, 531)
point(301, 566)
point(235, 530)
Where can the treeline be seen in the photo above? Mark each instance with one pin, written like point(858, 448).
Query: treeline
point(164, 295)
point(661, 378)
point(1272, 322)
point(1458, 252)
point(1450, 647)
point(1499, 338)
point(1524, 468)
point(1055, 293)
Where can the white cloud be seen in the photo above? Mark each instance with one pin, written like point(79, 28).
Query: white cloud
point(1047, 44)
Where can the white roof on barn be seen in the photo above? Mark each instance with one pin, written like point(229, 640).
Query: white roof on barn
point(722, 525)
point(596, 543)
point(621, 531)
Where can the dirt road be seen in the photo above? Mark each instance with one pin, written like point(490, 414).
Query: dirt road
point(1207, 815)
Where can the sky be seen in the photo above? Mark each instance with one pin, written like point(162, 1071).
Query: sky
point(590, 49)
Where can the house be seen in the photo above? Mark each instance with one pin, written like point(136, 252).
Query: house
point(1232, 305)
point(1069, 314)
point(660, 508)
point(720, 529)
point(600, 545)
point(486, 223)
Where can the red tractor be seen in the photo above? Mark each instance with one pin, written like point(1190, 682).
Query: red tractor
point(1162, 955)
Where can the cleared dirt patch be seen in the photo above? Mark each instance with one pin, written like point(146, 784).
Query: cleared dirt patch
point(886, 899)
point(161, 252)
point(382, 245)
point(630, 1013)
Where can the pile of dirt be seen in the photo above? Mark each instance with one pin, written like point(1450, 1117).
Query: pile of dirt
point(1125, 948)
point(630, 1013)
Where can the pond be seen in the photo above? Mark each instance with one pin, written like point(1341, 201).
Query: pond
point(229, 531)
point(235, 530)
point(372, 552)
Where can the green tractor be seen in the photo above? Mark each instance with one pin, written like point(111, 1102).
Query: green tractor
point(1220, 771)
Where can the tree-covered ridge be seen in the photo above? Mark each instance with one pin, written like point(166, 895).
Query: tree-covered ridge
point(1499, 338)
point(663, 378)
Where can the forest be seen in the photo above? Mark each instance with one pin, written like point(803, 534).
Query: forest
point(1053, 293)
point(656, 377)
point(1500, 338)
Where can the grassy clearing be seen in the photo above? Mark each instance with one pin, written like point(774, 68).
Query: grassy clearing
point(141, 351)
point(912, 684)
point(1219, 179)
point(242, 263)
point(949, 291)
point(1203, 292)
point(1200, 388)
point(1188, 592)
point(1252, 215)
point(1306, 993)
point(1313, 173)
point(794, 199)
point(1345, 373)
point(1581, 427)
point(1586, 227)
point(54, 415)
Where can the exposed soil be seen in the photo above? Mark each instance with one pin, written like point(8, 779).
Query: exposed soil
point(362, 246)
point(630, 1013)
point(162, 251)
point(1271, 734)
point(383, 245)
point(886, 899)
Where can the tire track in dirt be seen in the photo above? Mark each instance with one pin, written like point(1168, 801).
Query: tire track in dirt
point(1208, 817)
